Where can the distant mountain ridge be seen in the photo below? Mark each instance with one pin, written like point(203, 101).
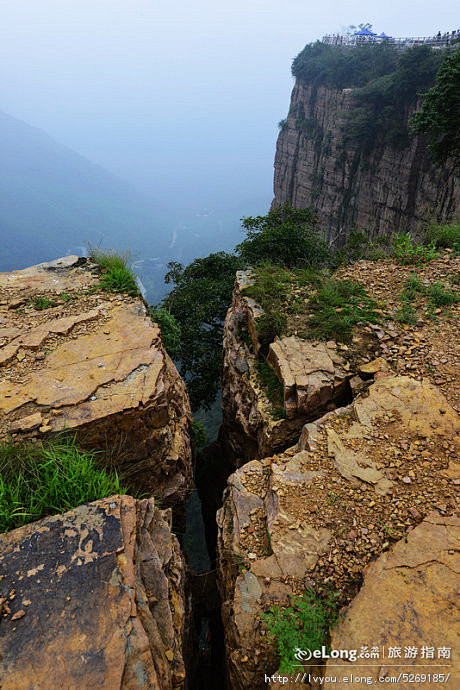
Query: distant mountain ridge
point(53, 200)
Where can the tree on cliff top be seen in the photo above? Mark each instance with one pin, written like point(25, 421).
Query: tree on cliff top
point(438, 116)
point(286, 236)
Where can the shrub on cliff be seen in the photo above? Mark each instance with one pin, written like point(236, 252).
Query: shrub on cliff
point(170, 329)
point(117, 275)
point(286, 236)
point(320, 64)
point(438, 116)
point(304, 625)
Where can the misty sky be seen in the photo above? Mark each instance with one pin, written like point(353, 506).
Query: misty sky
point(182, 98)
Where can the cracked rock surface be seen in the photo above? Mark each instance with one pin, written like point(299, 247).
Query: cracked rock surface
point(93, 598)
point(359, 480)
point(414, 589)
point(92, 363)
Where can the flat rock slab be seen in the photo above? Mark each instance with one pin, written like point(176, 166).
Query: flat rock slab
point(311, 374)
point(409, 599)
point(92, 363)
point(93, 598)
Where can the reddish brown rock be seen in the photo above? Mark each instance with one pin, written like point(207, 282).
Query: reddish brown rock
point(93, 363)
point(324, 509)
point(391, 189)
point(414, 589)
point(95, 599)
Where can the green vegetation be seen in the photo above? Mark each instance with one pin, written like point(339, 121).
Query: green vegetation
point(320, 64)
point(441, 296)
point(337, 306)
point(445, 236)
point(379, 117)
point(406, 314)
point(170, 329)
point(40, 303)
point(330, 307)
point(198, 434)
point(286, 236)
point(408, 251)
point(303, 624)
point(438, 116)
point(438, 295)
point(42, 479)
point(117, 276)
point(199, 299)
point(272, 387)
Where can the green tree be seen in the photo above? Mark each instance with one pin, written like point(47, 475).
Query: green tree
point(286, 236)
point(170, 329)
point(438, 116)
point(199, 301)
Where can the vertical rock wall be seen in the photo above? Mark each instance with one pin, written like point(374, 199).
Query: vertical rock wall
point(387, 191)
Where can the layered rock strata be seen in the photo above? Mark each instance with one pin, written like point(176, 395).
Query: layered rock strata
point(385, 191)
point(75, 358)
point(359, 479)
point(93, 598)
point(314, 378)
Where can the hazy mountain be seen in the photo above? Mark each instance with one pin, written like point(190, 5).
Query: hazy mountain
point(54, 201)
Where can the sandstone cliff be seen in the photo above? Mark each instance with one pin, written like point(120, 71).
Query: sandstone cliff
point(76, 358)
point(94, 598)
point(384, 192)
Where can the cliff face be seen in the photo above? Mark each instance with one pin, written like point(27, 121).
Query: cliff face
point(384, 192)
point(92, 363)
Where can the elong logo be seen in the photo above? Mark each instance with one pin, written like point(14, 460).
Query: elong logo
point(323, 653)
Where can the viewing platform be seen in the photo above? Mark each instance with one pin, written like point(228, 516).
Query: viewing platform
point(367, 37)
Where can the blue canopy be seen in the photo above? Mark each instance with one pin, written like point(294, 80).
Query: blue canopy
point(383, 35)
point(364, 32)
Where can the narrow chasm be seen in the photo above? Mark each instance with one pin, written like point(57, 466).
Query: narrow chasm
point(206, 667)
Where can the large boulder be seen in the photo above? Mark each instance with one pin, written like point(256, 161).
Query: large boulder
point(76, 358)
point(93, 598)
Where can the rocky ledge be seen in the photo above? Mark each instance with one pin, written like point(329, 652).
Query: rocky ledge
point(359, 479)
point(104, 586)
point(76, 358)
point(314, 377)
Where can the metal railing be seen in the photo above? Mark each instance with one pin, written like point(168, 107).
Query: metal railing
point(400, 43)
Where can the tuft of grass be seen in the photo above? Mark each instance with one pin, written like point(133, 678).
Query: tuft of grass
point(303, 624)
point(272, 388)
point(445, 236)
point(40, 303)
point(337, 306)
point(117, 275)
point(441, 296)
point(412, 288)
point(406, 314)
point(46, 478)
